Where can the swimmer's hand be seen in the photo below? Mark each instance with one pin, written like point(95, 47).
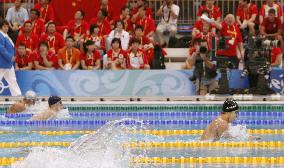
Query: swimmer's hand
point(254, 138)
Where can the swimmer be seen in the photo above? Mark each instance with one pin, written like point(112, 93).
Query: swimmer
point(219, 127)
point(21, 106)
point(55, 105)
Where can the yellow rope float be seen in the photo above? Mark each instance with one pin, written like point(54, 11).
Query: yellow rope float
point(32, 144)
point(9, 161)
point(211, 160)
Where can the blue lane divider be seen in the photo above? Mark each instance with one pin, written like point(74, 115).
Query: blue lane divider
point(155, 114)
point(130, 122)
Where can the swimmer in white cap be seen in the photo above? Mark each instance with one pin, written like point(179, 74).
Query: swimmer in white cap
point(55, 106)
point(219, 127)
point(21, 106)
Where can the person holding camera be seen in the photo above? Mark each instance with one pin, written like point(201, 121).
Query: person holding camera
point(204, 73)
point(169, 13)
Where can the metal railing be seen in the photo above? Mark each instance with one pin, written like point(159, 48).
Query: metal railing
point(188, 8)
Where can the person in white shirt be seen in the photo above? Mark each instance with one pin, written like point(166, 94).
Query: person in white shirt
point(16, 16)
point(119, 33)
point(169, 13)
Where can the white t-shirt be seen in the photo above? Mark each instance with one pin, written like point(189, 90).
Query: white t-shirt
point(167, 17)
point(18, 17)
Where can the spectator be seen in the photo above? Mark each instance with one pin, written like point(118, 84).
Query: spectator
point(46, 11)
point(246, 15)
point(38, 27)
point(98, 40)
point(125, 16)
point(205, 70)
point(145, 43)
point(116, 57)
point(24, 60)
point(271, 26)
point(202, 26)
point(276, 57)
point(169, 13)
point(77, 28)
point(28, 38)
point(7, 53)
point(69, 56)
point(102, 22)
point(54, 39)
point(206, 34)
point(149, 11)
point(109, 8)
point(146, 22)
point(45, 59)
point(213, 10)
point(120, 33)
point(233, 40)
point(136, 57)
point(270, 4)
point(91, 58)
point(16, 16)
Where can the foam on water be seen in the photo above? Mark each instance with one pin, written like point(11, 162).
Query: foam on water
point(238, 133)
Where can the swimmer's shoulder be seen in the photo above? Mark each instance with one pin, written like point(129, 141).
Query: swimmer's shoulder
point(17, 108)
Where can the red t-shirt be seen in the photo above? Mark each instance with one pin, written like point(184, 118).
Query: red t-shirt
point(234, 32)
point(56, 42)
point(199, 25)
point(50, 57)
point(104, 26)
point(38, 27)
point(215, 12)
point(78, 29)
point(91, 61)
point(274, 53)
point(147, 23)
point(265, 8)
point(271, 27)
point(31, 42)
point(207, 37)
point(98, 40)
point(138, 60)
point(47, 14)
point(149, 12)
point(24, 61)
point(246, 14)
point(114, 56)
point(110, 11)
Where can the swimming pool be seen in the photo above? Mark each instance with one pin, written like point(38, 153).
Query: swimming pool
point(144, 135)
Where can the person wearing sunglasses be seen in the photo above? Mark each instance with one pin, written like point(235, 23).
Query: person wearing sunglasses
point(55, 106)
point(219, 127)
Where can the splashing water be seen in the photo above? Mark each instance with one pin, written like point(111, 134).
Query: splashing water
point(39, 106)
point(103, 149)
point(238, 133)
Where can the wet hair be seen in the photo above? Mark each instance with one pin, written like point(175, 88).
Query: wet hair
point(36, 12)
point(116, 40)
point(230, 105)
point(139, 27)
point(120, 21)
point(87, 44)
point(93, 27)
point(3, 23)
point(52, 100)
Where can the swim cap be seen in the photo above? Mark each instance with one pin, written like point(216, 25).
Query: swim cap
point(30, 95)
point(53, 100)
point(230, 105)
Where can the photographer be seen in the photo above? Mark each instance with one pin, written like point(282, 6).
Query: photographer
point(204, 73)
point(169, 13)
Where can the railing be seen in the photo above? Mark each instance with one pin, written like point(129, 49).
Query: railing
point(188, 8)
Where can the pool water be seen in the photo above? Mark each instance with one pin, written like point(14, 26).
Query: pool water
point(131, 126)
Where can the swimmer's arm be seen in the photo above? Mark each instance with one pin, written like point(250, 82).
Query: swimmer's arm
point(42, 116)
point(16, 108)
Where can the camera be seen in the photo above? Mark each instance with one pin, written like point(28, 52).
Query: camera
point(203, 50)
point(166, 32)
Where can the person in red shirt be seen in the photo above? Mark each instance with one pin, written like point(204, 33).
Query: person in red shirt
point(146, 44)
point(136, 57)
point(78, 28)
point(146, 22)
point(105, 5)
point(234, 43)
point(271, 26)
point(102, 22)
point(212, 8)
point(206, 35)
point(54, 39)
point(270, 4)
point(116, 57)
point(193, 48)
point(246, 15)
point(125, 16)
point(46, 11)
point(23, 60)
point(276, 57)
point(28, 38)
point(149, 11)
point(99, 41)
point(201, 24)
point(44, 59)
point(38, 27)
point(90, 58)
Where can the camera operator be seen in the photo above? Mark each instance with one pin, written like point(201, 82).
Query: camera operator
point(233, 42)
point(204, 73)
point(271, 26)
point(169, 13)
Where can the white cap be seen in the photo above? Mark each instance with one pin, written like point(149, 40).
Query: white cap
point(30, 95)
